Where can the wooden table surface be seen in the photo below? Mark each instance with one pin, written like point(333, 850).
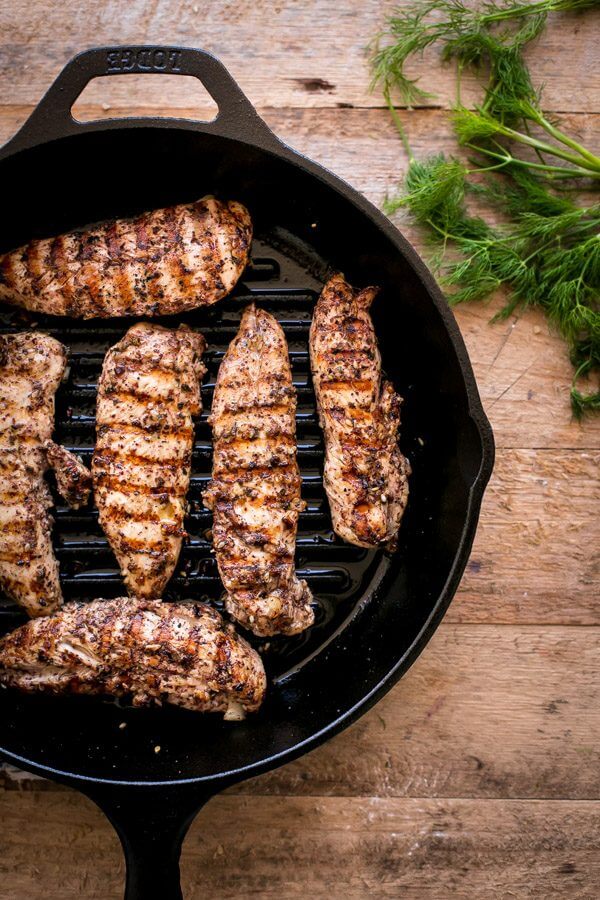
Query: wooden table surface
point(478, 775)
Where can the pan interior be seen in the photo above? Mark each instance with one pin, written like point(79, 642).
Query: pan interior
point(370, 605)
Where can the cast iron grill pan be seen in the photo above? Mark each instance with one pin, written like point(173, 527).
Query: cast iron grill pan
point(375, 611)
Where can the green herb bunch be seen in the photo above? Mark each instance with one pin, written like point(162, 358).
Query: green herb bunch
point(548, 252)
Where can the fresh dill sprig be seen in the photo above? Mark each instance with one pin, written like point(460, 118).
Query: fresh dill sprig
point(469, 35)
point(547, 253)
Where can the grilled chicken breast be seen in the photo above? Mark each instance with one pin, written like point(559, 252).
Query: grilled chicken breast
point(31, 368)
point(255, 488)
point(147, 394)
point(155, 652)
point(366, 475)
point(159, 263)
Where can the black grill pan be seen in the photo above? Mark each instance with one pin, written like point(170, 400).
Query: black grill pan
point(375, 611)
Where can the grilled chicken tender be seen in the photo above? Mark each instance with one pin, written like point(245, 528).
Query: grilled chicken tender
point(159, 263)
point(28, 567)
point(366, 475)
point(31, 369)
point(179, 653)
point(147, 394)
point(255, 488)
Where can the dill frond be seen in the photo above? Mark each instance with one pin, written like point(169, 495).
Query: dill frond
point(472, 36)
point(547, 254)
point(435, 191)
point(584, 404)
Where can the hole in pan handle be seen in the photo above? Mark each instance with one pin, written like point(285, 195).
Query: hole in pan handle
point(52, 118)
point(151, 823)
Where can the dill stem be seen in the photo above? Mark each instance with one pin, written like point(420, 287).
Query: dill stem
point(399, 126)
point(539, 250)
point(530, 9)
point(459, 70)
point(515, 13)
point(448, 236)
point(579, 161)
point(509, 159)
point(569, 142)
point(537, 152)
point(580, 280)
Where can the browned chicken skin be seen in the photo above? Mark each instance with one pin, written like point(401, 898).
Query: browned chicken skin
point(152, 651)
point(255, 488)
point(159, 263)
point(147, 394)
point(73, 479)
point(32, 365)
point(366, 475)
point(31, 368)
point(28, 567)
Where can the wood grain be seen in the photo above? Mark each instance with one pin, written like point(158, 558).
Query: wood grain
point(283, 54)
point(302, 847)
point(536, 557)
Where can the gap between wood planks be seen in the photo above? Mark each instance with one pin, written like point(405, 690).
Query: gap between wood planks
point(197, 113)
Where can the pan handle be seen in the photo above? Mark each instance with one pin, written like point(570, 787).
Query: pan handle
point(52, 117)
point(151, 824)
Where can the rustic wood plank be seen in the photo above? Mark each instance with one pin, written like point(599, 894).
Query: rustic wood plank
point(284, 847)
point(521, 366)
point(536, 557)
point(283, 54)
point(486, 712)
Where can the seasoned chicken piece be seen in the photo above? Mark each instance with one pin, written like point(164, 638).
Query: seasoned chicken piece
point(159, 263)
point(32, 365)
point(366, 475)
point(147, 394)
point(179, 653)
point(31, 368)
point(73, 479)
point(28, 567)
point(255, 488)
